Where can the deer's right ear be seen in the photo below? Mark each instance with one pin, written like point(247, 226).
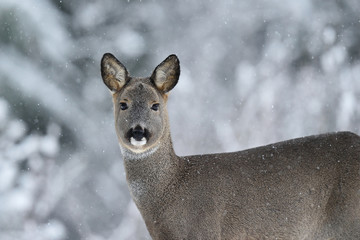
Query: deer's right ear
point(113, 72)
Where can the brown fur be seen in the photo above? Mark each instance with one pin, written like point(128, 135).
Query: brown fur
point(305, 188)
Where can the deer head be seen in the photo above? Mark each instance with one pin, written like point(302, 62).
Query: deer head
point(141, 119)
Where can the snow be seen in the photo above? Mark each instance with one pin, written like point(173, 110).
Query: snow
point(4, 111)
point(251, 74)
point(7, 175)
point(15, 130)
point(246, 78)
point(54, 230)
point(49, 146)
point(17, 201)
point(130, 43)
point(333, 58)
point(329, 35)
point(346, 114)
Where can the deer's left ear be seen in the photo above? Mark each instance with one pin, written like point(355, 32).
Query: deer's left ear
point(166, 74)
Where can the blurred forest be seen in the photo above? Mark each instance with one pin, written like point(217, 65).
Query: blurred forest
point(253, 72)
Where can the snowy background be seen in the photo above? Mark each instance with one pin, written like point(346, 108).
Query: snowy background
point(253, 72)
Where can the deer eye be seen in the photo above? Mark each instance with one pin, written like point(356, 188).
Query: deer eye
point(123, 106)
point(155, 106)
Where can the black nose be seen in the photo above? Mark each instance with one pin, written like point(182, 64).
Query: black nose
point(138, 133)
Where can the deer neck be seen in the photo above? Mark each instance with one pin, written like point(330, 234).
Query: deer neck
point(149, 174)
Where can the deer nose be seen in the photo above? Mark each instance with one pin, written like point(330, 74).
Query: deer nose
point(138, 133)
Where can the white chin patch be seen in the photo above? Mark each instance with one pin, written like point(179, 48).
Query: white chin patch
point(134, 142)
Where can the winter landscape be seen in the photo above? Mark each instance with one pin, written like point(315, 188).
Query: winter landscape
point(252, 73)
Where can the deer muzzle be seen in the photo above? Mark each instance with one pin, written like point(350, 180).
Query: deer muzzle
point(138, 136)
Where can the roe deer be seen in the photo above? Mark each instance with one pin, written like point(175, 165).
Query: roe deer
point(305, 188)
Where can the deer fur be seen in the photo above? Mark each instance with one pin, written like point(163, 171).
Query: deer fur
point(304, 188)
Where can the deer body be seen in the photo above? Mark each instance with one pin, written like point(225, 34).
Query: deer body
point(305, 188)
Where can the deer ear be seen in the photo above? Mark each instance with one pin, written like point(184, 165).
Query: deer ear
point(113, 72)
point(166, 74)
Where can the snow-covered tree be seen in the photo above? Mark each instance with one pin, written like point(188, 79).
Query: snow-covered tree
point(253, 72)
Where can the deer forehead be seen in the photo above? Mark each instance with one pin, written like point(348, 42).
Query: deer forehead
point(140, 91)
